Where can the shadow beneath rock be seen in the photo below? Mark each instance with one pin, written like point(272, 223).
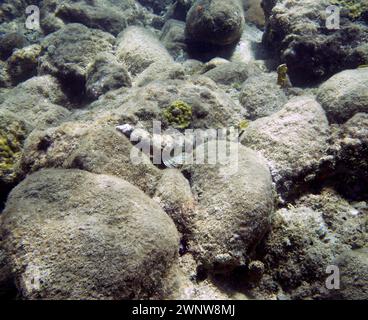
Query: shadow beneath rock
point(205, 52)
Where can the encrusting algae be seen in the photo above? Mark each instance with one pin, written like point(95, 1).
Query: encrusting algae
point(355, 8)
point(10, 151)
point(178, 115)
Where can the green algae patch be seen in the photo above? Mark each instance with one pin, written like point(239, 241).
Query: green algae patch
point(178, 114)
point(354, 8)
point(10, 151)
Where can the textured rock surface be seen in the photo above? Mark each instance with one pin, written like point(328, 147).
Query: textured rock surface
point(347, 222)
point(292, 140)
point(211, 106)
point(86, 236)
point(296, 254)
point(94, 218)
point(104, 15)
point(157, 6)
point(347, 157)
point(160, 71)
point(353, 267)
point(175, 196)
point(186, 286)
point(254, 12)
point(138, 49)
point(91, 147)
point(215, 21)
point(235, 204)
point(297, 31)
point(232, 73)
point(307, 238)
point(6, 278)
point(9, 42)
point(262, 96)
point(345, 94)
point(106, 74)
point(22, 65)
point(13, 131)
point(69, 62)
point(39, 101)
point(173, 37)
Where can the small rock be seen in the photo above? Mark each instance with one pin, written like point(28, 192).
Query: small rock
point(173, 37)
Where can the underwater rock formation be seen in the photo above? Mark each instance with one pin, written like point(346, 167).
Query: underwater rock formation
point(293, 140)
point(297, 32)
point(106, 74)
point(262, 96)
point(86, 236)
point(69, 62)
point(345, 94)
point(87, 211)
point(138, 48)
point(235, 205)
point(90, 147)
point(215, 22)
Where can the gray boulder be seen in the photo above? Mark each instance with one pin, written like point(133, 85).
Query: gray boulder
point(138, 48)
point(97, 15)
point(210, 106)
point(86, 236)
point(106, 74)
point(232, 73)
point(68, 61)
point(92, 147)
point(254, 12)
point(262, 96)
point(292, 140)
point(160, 71)
point(235, 205)
point(174, 195)
point(344, 95)
point(39, 101)
point(214, 21)
point(157, 6)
